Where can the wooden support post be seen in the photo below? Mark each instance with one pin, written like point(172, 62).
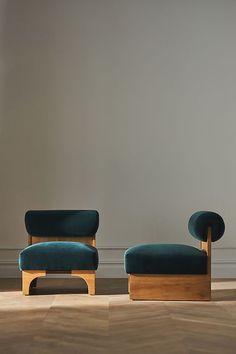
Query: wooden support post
point(206, 246)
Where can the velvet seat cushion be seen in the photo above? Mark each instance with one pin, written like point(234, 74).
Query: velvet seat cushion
point(59, 256)
point(165, 259)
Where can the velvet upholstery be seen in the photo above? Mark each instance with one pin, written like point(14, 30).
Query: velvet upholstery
point(62, 222)
point(59, 256)
point(201, 220)
point(165, 259)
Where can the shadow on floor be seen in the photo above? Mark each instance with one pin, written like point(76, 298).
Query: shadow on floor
point(223, 295)
point(78, 286)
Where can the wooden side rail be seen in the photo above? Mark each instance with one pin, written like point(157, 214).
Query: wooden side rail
point(89, 240)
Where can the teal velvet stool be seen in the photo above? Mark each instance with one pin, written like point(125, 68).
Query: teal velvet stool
point(175, 271)
point(60, 241)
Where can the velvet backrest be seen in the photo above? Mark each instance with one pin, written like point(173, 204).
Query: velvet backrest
point(200, 221)
point(65, 223)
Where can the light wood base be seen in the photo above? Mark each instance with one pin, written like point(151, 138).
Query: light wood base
point(169, 287)
point(29, 278)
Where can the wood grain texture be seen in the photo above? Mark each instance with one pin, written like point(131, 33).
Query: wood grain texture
point(169, 287)
point(61, 318)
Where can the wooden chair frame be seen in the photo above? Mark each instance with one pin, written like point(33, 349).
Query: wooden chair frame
point(29, 277)
point(173, 286)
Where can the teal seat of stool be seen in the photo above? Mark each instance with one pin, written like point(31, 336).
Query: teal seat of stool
point(61, 256)
point(165, 259)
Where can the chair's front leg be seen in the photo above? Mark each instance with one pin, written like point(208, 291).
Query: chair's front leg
point(28, 276)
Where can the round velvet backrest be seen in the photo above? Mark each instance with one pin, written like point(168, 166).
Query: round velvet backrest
point(201, 220)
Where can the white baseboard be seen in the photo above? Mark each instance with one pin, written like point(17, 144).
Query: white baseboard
point(111, 262)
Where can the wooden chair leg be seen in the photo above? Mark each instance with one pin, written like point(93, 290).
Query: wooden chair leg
point(90, 278)
point(28, 276)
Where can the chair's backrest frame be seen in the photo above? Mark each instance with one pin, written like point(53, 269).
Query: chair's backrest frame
point(89, 240)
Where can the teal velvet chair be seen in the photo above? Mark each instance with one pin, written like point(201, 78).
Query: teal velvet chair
point(175, 271)
point(60, 241)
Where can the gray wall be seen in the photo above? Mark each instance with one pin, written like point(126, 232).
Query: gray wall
point(125, 106)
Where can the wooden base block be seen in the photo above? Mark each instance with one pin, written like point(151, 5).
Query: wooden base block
point(169, 287)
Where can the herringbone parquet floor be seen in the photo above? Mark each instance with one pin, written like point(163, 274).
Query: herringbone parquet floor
point(62, 318)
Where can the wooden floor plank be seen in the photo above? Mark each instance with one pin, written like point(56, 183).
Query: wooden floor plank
point(62, 318)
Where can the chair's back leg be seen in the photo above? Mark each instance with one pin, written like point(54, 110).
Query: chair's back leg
point(90, 278)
